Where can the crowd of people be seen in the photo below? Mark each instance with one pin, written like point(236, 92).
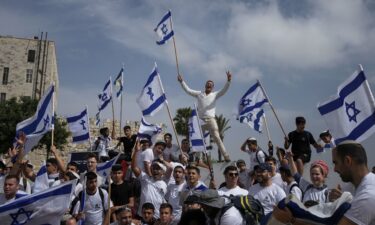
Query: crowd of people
point(158, 183)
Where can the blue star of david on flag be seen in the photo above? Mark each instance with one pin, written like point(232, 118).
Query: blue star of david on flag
point(106, 96)
point(250, 107)
point(350, 114)
point(191, 129)
point(21, 216)
point(78, 126)
point(119, 82)
point(152, 97)
point(352, 111)
point(103, 169)
point(164, 29)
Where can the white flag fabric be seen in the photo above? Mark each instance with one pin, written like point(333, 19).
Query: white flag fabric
point(79, 126)
point(195, 135)
point(250, 109)
point(119, 82)
point(43, 120)
point(41, 180)
point(164, 29)
point(106, 96)
point(148, 131)
point(350, 114)
point(152, 97)
point(46, 207)
point(104, 169)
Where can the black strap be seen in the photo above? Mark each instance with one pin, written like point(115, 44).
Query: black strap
point(291, 187)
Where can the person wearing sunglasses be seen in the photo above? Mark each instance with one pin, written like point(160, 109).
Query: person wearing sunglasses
point(231, 183)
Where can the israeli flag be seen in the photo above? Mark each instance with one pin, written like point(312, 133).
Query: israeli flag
point(350, 114)
point(195, 135)
point(46, 207)
point(106, 96)
point(41, 180)
point(97, 118)
point(250, 109)
point(152, 97)
point(43, 120)
point(119, 82)
point(164, 29)
point(148, 130)
point(104, 169)
point(79, 126)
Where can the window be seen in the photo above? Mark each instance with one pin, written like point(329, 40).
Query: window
point(3, 97)
point(5, 75)
point(31, 56)
point(29, 76)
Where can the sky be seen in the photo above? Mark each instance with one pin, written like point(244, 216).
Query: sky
point(300, 51)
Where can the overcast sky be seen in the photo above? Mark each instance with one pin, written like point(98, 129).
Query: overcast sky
point(300, 50)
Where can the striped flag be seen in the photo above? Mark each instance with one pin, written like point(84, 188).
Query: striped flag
point(119, 83)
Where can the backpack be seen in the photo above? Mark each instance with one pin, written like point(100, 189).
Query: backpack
point(257, 152)
point(250, 208)
point(79, 198)
point(295, 185)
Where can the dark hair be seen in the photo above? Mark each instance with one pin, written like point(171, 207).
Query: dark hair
point(148, 205)
point(229, 168)
point(165, 206)
point(52, 161)
point(127, 127)
point(70, 175)
point(194, 216)
point(191, 167)
point(91, 175)
point(270, 158)
point(73, 164)
point(352, 149)
point(287, 171)
point(92, 155)
point(162, 143)
point(168, 134)
point(300, 119)
point(12, 176)
point(103, 130)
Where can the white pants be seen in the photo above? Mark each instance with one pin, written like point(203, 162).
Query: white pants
point(211, 126)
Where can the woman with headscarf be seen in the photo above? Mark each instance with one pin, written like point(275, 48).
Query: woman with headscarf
point(316, 191)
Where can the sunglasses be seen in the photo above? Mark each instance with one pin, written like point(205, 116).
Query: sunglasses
point(233, 174)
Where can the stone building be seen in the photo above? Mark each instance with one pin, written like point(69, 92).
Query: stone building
point(27, 66)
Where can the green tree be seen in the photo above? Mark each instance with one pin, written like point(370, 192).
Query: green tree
point(13, 111)
point(181, 121)
point(223, 125)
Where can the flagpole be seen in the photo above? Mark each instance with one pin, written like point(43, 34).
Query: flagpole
point(169, 114)
point(273, 110)
point(204, 145)
point(108, 216)
point(52, 119)
point(88, 126)
point(122, 84)
point(174, 46)
point(268, 132)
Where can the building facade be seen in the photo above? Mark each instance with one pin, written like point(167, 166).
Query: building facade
point(27, 67)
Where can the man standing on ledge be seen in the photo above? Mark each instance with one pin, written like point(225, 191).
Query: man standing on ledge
point(206, 108)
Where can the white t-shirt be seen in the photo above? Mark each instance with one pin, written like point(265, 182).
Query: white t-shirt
point(296, 191)
point(256, 158)
point(151, 191)
point(93, 208)
point(173, 198)
point(268, 196)
point(146, 155)
point(172, 153)
point(313, 193)
point(231, 217)
point(224, 191)
point(244, 178)
point(278, 180)
point(363, 204)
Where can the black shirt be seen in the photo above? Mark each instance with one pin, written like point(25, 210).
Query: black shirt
point(121, 193)
point(301, 142)
point(128, 143)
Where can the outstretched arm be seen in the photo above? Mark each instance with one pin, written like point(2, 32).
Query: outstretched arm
point(136, 170)
point(184, 86)
point(60, 161)
point(226, 86)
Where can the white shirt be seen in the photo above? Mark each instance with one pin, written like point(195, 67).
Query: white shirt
point(231, 217)
point(256, 158)
point(151, 191)
point(363, 204)
point(206, 103)
point(172, 153)
point(146, 155)
point(93, 208)
point(224, 191)
point(173, 198)
point(278, 180)
point(268, 196)
point(103, 146)
point(312, 193)
point(296, 191)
